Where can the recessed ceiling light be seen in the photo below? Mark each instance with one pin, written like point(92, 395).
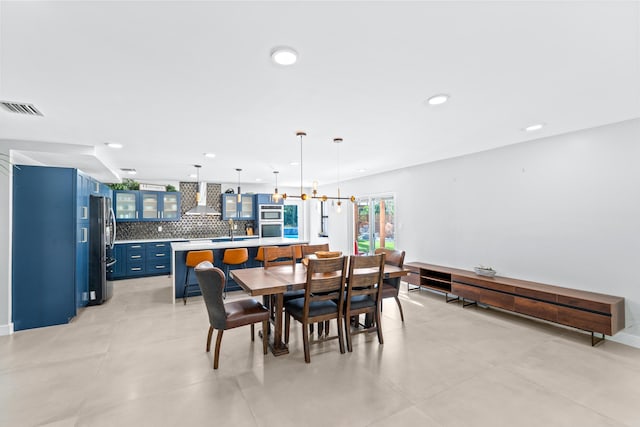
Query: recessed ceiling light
point(129, 171)
point(534, 128)
point(438, 99)
point(362, 170)
point(294, 163)
point(283, 55)
point(113, 145)
point(210, 155)
point(193, 175)
point(258, 179)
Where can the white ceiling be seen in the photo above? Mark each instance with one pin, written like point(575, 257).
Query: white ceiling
point(173, 80)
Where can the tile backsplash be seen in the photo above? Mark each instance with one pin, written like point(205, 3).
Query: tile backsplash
point(188, 227)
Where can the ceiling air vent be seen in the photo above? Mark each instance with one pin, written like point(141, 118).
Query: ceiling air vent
point(16, 107)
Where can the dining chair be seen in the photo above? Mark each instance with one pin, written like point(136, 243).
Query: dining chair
point(194, 258)
point(230, 315)
point(297, 251)
point(391, 287)
point(279, 255)
point(323, 300)
point(312, 249)
point(260, 254)
point(306, 250)
point(364, 294)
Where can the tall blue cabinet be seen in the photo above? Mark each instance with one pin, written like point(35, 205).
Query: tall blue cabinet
point(50, 256)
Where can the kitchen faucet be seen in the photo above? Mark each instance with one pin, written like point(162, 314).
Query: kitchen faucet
point(231, 229)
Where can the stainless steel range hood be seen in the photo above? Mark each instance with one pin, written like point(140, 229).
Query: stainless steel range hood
point(201, 207)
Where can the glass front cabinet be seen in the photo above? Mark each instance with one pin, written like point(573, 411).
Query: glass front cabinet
point(125, 205)
point(232, 209)
point(146, 205)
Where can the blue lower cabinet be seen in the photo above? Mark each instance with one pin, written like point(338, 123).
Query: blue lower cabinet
point(141, 259)
point(118, 270)
point(135, 269)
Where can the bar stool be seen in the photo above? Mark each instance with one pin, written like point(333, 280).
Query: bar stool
point(194, 258)
point(260, 255)
point(235, 256)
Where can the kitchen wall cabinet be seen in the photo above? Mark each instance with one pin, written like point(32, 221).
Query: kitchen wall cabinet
point(243, 210)
point(266, 199)
point(146, 205)
point(50, 262)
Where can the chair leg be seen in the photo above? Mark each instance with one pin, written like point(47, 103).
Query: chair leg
point(400, 307)
point(265, 336)
point(253, 334)
point(226, 279)
point(320, 328)
point(287, 326)
point(326, 328)
point(216, 356)
point(379, 327)
point(305, 341)
point(347, 330)
point(340, 334)
point(209, 338)
point(186, 286)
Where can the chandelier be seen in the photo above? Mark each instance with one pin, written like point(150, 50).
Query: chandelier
point(314, 191)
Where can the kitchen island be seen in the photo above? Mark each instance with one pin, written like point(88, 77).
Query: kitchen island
point(179, 255)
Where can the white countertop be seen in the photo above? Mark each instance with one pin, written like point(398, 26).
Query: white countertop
point(247, 243)
point(179, 239)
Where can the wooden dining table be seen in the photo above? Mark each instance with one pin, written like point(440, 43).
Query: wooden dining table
point(277, 280)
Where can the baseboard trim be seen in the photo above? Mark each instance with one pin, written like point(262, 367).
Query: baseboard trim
point(627, 339)
point(6, 329)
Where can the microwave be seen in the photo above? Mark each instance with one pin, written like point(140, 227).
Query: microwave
point(271, 213)
point(271, 229)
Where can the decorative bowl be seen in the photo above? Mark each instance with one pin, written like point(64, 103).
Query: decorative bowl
point(485, 271)
point(328, 254)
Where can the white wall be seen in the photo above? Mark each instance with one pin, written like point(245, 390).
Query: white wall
point(563, 210)
point(6, 326)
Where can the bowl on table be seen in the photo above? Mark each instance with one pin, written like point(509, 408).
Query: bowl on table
point(321, 255)
point(485, 271)
point(328, 254)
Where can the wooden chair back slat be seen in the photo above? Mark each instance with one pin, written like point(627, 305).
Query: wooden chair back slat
point(312, 249)
point(279, 255)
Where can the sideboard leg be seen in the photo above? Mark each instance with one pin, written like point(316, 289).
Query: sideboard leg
point(446, 297)
point(468, 303)
point(596, 340)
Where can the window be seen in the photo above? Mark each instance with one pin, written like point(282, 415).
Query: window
point(291, 221)
point(374, 223)
point(324, 220)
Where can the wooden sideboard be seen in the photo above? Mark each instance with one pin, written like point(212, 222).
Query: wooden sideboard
point(589, 311)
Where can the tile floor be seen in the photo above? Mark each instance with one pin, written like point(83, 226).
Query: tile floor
point(140, 361)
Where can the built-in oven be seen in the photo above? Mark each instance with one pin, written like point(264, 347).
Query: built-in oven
point(271, 220)
point(271, 229)
point(271, 213)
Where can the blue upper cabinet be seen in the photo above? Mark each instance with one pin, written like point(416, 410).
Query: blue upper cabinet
point(266, 199)
point(126, 205)
point(242, 210)
point(146, 205)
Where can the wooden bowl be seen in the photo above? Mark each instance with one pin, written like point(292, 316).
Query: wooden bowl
point(328, 254)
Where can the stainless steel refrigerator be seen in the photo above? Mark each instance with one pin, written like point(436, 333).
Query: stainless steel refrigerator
point(102, 234)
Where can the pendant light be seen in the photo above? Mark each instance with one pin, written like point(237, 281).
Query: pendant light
point(337, 141)
point(314, 195)
point(239, 195)
point(275, 197)
point(303, 195)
